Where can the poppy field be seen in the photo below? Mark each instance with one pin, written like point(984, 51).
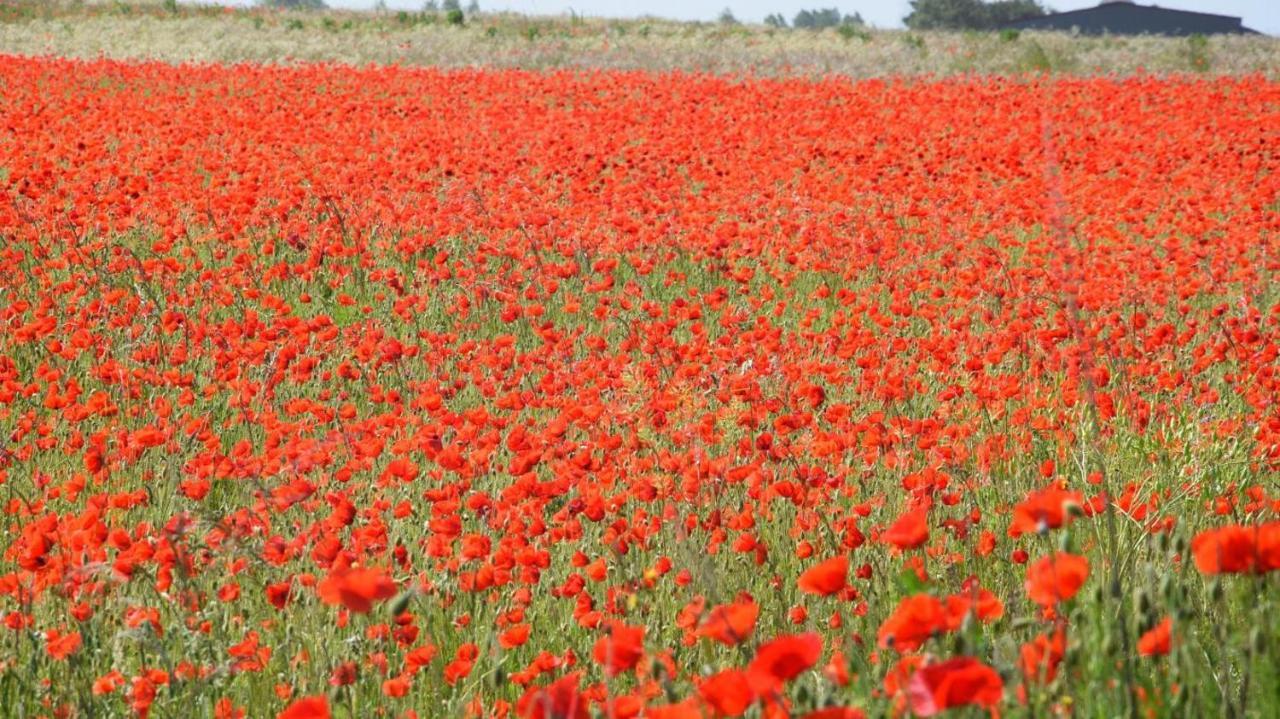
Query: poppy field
point(335, 391)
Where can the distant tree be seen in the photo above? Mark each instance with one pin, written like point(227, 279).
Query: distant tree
point(473, 7)
point(818, 19)
point(294, 4)
point(1007, 11)
point(969, 14)
point(430, 6)
point(775, 20)
point(451, 5)
point(727, 18)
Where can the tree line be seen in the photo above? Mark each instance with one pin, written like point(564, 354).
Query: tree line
point(924, 15)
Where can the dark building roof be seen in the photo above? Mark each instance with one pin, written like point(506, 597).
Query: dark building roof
point(1126, 18)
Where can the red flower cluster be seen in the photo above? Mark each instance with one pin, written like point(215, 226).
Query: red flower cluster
point(553, 395)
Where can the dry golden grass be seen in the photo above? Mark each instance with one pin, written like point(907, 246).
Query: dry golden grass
point(207, 34)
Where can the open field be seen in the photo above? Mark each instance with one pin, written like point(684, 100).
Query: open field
point(338, 391)
point(215, 35)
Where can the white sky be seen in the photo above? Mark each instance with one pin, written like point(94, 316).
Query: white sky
point(1261, 15)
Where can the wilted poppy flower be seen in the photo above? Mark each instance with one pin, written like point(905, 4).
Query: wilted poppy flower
point(954, 683)
point(1056, 578)
point(826, 577)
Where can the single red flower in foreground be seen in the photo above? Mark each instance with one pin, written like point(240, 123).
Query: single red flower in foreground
point(1044, 510)
point(1057, 578)
point(1042, 655)
point(782, 659)
point(356, 589)
point(957, 682)
point(728, 693)
point(730, 623)
point(913, 622)
point(560, 700)
point(60, 646)
point(620, 649)
point(1226, 550)
point(1158, 640)
point(826, 578)
point(316, 707)
point(910, 530)
point(836, 713)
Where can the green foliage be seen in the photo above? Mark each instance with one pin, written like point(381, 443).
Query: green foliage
point(1035, 59)
point(969, 14)
point(455, 17)
point(1198, 52)
point(1009, 34)
point(294, 4)
point(849, 31)
point(829, 17)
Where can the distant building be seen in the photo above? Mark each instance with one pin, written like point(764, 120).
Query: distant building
point(1120, 17)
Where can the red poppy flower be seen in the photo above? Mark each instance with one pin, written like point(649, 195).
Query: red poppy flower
point(835, 713)
point(781, 660)
point(730, 623)
point(827, 577)
point(560, 700)
point(356, 589)
point(1056, 578)
point(620, 649)
point(1040, 657)
point(315, 707)
point(1044, 510)
point(1158, 640)
point(1226, 550)
point(913, 622)
point(911, 530)
point(957, 682)
point(728, 693)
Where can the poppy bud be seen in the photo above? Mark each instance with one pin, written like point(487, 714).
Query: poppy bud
point(1216, 591)
point(401, 603)
point(1142, 602)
